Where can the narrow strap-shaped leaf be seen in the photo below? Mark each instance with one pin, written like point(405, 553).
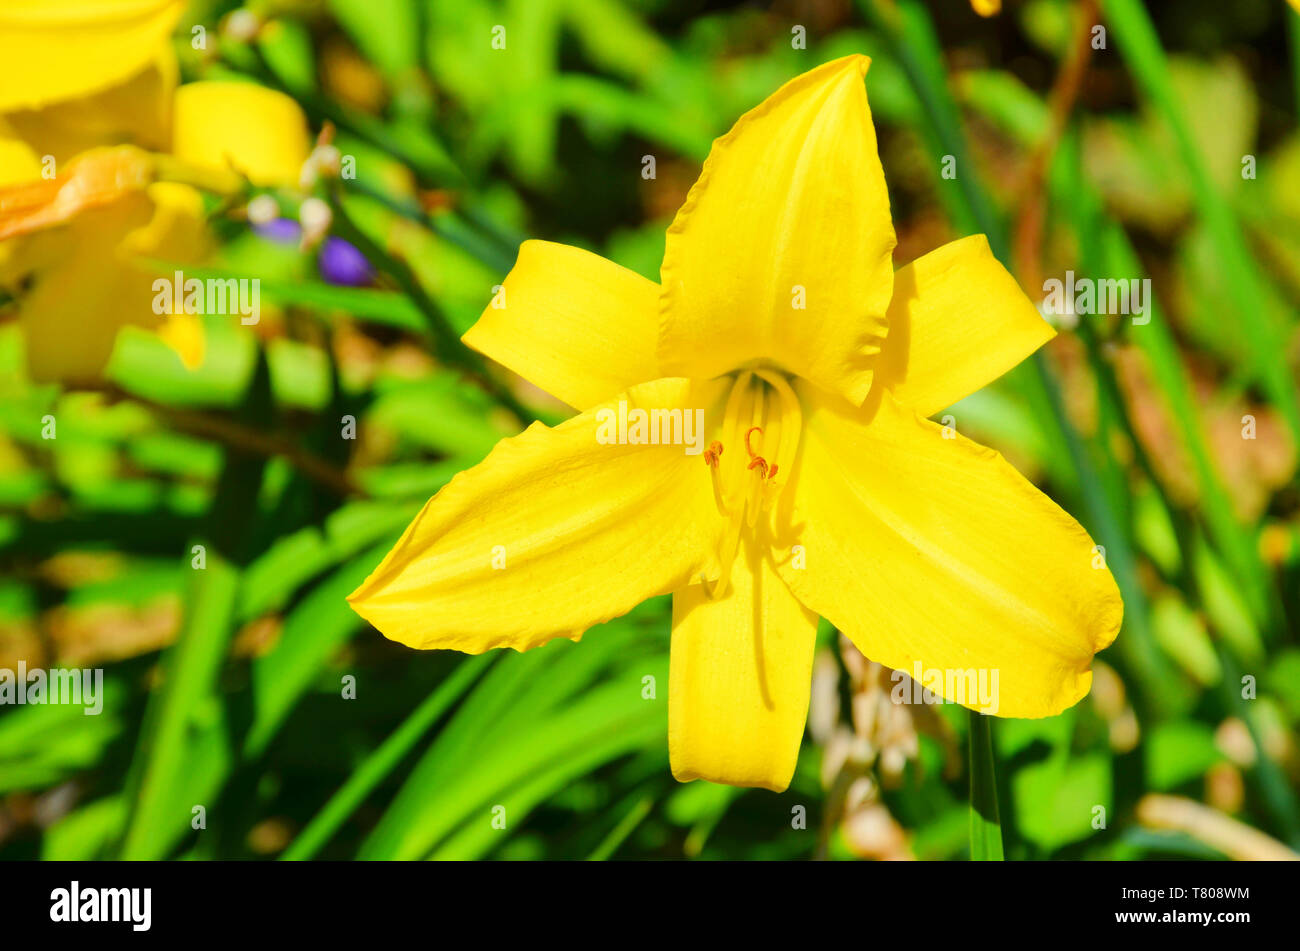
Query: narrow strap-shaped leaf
point(985, 825)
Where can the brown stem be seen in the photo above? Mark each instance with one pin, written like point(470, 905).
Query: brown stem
point(236, 435)
point(239, 436)
point(1061, 101)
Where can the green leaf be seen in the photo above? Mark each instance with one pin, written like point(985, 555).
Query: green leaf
point(181, 756)
point(384, 760)
point(529, 728)
point(386, 31)
point(985, 824)
point(312, 632)
point(1136, 39)
point(293, 560)
point(84, 834)
point(1178, 752)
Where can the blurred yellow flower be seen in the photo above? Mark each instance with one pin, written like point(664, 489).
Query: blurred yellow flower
point(779, 323)
point(80, 220)
point(56, 50)
point(212, 129)
point(83, 280)
point(986, 8)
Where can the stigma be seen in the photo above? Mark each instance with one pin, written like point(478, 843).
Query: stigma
point(757, 461)
point(762, 414)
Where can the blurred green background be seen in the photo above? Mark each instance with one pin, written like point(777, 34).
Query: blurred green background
point(228, 688)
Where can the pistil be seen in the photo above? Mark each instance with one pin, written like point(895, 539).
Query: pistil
point(762, 413)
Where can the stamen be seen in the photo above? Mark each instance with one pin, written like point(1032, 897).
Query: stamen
point(730, 545)
point(754, 490)
point(772, 411)
point(758, 461)
point(728, 500)
point(713, 459)
point(730, 504)
point(791, 422)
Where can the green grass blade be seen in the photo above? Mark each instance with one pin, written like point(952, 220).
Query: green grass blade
point(625, 827)
point(985, 824)
point(534, 734)
point(384, 760)
point(1138, 43)
point(171, 779)
point(312, 632)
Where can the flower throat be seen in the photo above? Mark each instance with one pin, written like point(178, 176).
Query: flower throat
point(762, 420)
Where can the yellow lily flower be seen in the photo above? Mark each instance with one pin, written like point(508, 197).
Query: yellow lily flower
point(824, 491)
point(82, 75)
point(258, 132)
point(79, 283)
point(56, 50)
point(79, 244)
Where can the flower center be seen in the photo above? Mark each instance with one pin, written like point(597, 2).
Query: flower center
point(763, 418)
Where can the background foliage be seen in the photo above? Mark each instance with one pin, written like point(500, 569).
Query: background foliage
point(223, 685)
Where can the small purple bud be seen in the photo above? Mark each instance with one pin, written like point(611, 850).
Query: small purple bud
point(341, 263)
point(280, 230)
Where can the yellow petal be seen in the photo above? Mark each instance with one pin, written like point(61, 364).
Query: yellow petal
point(92, 277)
point(552, 533)
point(53, 50)
point(80, 295)
point(135, 111)
point(184, 334)
point(781, 252)
point(580, 327)
point(934, 551)
point(18, 163)
point(96, 178)
point(957, 321)
point(222, 124)
point(177, 234)
point(740, 674)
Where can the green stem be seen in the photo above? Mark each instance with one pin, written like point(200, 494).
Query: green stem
point(446, 341)
point(985, 826)
point(164, 786)
point(626, 826)
point(1259, 327)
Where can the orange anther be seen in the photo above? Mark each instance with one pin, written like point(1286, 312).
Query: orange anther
point(712, 453)
point(758, 462)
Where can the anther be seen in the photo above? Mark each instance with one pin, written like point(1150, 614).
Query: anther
point(757, 461)
point(712, 453)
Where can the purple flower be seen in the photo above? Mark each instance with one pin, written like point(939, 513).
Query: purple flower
point(341, 263)
point(280, 230)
